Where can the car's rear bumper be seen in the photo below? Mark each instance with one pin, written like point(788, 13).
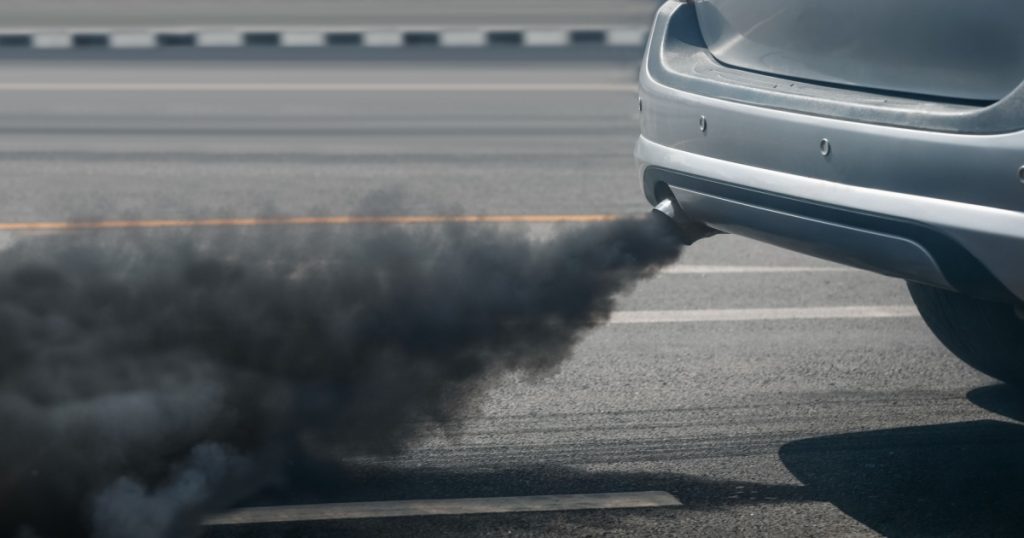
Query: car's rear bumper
point(974, 249)
point(908, 188)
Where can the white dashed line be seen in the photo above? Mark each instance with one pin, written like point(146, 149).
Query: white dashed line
point(761, 314)
point(686, 269)
point(466, 38)
point(53, 40)
point(546, 38)
point(132, 41)
point(629, 37)
point(437, 507)
point(319, 37)
point(383, 38)
point(223, 39)
point(302, 39)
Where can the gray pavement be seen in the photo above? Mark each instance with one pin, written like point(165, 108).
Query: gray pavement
point(788, 427)
point(165, 153)
point(143, 13)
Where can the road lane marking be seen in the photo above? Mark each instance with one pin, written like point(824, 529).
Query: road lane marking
point(318, 37)
point(132, 40)
point(220, 39)
point(437, 507)
point(302, 39)
point(383, 38)
point(464, 38)
point(635, 37)
point(284, 221)
point(762, 314)
point(55, 39)
point(310, 87)
point(687, 269)
point(546, 38)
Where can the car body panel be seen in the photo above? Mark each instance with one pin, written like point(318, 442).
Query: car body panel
point(951, 48)
point(980, 169)
point(963, 189)
point(678, 57)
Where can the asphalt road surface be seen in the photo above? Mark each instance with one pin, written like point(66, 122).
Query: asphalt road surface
point(748, 382)
point(133, 13)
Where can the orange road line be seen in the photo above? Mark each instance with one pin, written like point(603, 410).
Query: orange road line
point(285, 221)
point(313, 87)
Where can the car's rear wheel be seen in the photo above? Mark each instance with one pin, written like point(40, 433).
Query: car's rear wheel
point(986, 335)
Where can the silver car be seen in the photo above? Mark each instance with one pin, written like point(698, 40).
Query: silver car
point(883, 134)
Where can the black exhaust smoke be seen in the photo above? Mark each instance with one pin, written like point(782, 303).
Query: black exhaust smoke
point(148, 380)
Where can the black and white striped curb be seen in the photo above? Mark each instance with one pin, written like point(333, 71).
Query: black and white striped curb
point(321, 37)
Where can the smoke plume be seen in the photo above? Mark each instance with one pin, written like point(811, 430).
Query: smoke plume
point(148, 379)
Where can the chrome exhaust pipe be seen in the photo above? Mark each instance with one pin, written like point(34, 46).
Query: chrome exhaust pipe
point(688, 231)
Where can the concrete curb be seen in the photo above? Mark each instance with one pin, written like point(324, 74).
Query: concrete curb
point(303, 37)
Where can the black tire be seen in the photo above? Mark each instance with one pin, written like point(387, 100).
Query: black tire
point(986, 335)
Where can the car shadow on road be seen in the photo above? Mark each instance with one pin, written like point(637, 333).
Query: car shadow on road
point(959, 479)
point(1001, 399)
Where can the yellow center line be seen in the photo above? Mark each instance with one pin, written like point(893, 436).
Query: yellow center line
point(286, 221)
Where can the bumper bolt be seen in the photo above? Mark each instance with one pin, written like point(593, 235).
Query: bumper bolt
point(702, 124)
point(825, 147)
point(1020, 174)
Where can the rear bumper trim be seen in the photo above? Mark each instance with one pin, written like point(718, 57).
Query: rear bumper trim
point(978, 249)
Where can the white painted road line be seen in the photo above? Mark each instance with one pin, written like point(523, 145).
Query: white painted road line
point(383, 38)
point(437, 507)
point(52, 40)
point(686, 269)
point(302, 39)
point(762, 314)
point(132, 41)
point(219, 39)
point(546, 38)
point(299, 36)
point(309, 87)
point(627, 37)
point(466, 38)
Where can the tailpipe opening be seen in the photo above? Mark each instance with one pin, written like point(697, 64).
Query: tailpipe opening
point(683, 227)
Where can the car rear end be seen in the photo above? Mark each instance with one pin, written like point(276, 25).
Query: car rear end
point(887, 135)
